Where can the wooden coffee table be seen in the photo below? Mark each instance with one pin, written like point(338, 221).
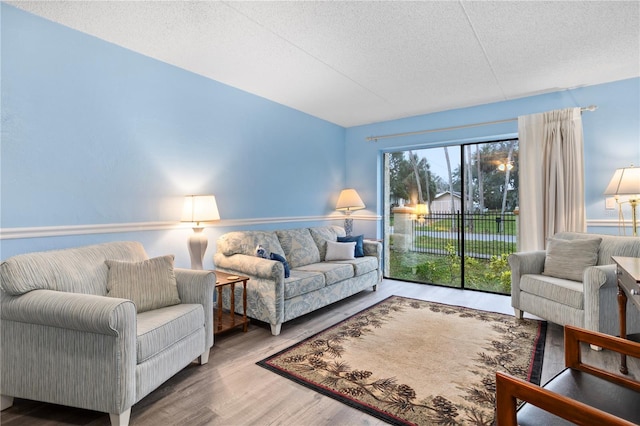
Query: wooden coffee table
point(223, 320)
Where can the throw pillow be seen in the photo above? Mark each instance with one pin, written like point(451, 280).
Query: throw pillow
point(276, 256)
point(340, 251)
point(150, 284)
point(568, 258)
point(359, 245)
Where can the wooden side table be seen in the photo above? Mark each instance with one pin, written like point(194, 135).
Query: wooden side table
point(628, 271)
point(223, 321)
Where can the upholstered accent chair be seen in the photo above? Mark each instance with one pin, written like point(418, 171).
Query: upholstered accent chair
point(573, 282)
point(99, 327)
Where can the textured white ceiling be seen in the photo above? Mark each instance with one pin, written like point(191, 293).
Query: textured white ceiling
point(355, 63)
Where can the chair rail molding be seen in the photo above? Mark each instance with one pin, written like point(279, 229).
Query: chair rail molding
point(114, 228)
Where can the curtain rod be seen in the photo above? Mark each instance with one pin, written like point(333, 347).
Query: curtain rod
point(464, 126)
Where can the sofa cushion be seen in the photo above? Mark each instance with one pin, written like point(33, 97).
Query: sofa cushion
point(361, 265)
point(565, 292)
point(302, 282)
point(74, 270)
point(322, 234)
point(340, 251)
point(333, 272)
point(569, 258)
point(162, 328)
point(299, 247)
point(359, 239)
point(245, 242)
point(150, 284)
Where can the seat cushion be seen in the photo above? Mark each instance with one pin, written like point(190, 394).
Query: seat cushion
point(161, 328)
point(591, 390)
point(299, 247)
point(302, 282)
point(333, 272)
point(361, 265)
point(565, 292)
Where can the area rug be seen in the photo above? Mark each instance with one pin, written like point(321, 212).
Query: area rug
point(408, 361)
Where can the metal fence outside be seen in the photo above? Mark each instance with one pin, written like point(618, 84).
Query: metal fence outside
point(477, 235)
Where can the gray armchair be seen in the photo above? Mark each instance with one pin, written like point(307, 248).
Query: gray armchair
point(66, 341)
point(573, 285)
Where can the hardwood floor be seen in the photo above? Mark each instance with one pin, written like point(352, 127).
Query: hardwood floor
point(232, 390)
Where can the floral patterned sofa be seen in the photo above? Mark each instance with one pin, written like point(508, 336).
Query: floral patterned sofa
point(323, 270)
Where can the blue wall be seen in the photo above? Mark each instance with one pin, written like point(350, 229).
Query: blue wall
point(611, 141)
point(97, 135)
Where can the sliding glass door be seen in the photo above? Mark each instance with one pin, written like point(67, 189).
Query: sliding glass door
point(449, 214)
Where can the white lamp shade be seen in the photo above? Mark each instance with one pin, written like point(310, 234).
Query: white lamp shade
point(625, 181)
point(349, 200)
point(200, 208)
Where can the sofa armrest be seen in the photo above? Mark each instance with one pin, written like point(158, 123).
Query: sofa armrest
point(374, 248)
point(69, 338)
point(197, 287)
point(522, 263)
point(251, 266)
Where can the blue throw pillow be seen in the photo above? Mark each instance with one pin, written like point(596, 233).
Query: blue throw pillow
point(276, 256)
point(358, 240)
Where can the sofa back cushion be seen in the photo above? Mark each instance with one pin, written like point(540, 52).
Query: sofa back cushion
point(322, 234)
point(245, 242)
point(611, 245)
point(75, 270)
point(299, 247)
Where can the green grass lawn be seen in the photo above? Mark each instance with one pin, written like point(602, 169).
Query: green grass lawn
point(491, 275)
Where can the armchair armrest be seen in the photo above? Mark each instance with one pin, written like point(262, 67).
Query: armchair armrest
point(73, 311)
point(573, 336)
point(522, 263)
point(509, 388)
point(67, 338)
point(197, 287)
point(600, 302)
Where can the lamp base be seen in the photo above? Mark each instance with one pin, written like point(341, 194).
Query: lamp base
point(348, 226)
point(197, 247)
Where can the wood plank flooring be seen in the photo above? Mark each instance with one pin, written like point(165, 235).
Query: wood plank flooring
point(232, 390)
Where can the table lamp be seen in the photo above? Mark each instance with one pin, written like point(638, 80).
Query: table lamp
point(348, 201)
point(626, 181)
point(199, 208)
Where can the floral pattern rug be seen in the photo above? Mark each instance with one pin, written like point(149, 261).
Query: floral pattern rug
point(409, 361)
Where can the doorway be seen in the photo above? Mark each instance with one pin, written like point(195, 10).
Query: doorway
point(451, 214)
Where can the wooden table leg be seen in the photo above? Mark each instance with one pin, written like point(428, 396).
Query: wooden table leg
point(244, 306)
point(219, 308)
point(233, 304)
point(622, 315)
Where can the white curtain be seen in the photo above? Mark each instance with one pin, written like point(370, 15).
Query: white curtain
point(551, 176)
